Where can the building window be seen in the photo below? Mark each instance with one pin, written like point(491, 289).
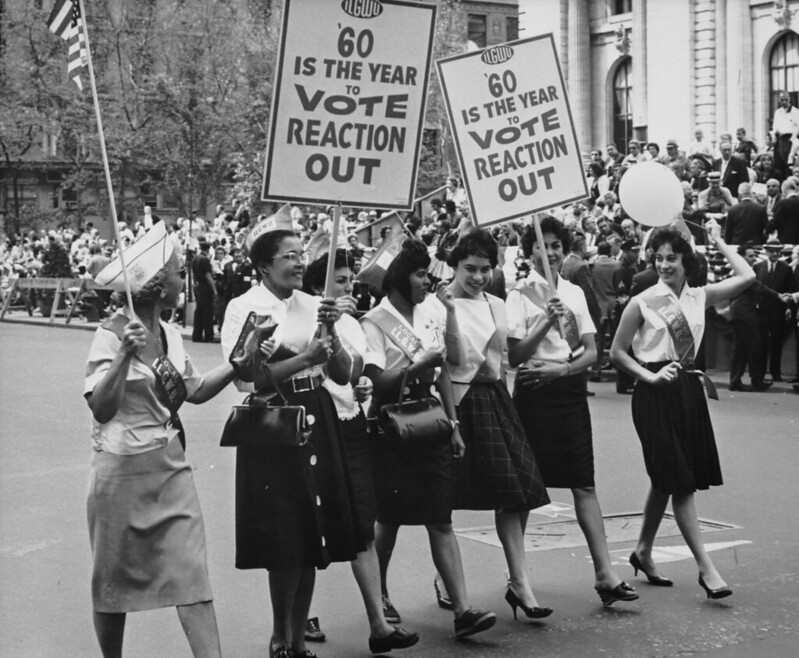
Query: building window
point(622, 103)
point(512, 28)
point(478, 30)
point(784, 70)
point(617, 7)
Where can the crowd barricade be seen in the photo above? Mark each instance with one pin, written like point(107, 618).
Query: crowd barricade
point(66, 296)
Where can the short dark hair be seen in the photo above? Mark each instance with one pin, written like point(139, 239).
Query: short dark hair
point(476, 243)
point(449, 206)
point(315, 274)
point(265, 247)
point(413, 256)
point(679, 245)
point(603, 249)
point(548, 225)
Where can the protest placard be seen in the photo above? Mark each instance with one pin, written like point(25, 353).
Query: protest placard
point(513, 129)
point(348, 102)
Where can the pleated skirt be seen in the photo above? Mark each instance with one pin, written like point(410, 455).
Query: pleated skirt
point(677, 439)
point(295, 506)
point(499, 469)
point(146, 532)
point(557, 423)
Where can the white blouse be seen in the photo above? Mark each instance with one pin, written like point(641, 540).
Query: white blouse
point(525, 318)
point(260, 300)
point(652, 342)
point(429, 325)
point(142, 422)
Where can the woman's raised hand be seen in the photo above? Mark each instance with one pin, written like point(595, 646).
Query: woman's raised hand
point(347, 304)
point(445, 297)
point(328, 312)
point(555, 309)
point(134, 338)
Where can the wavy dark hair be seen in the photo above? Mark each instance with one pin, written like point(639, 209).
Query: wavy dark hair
point(413, 256)
point(548, 225)
point(265, 247)
point(476, 243)
point(315, 274)
point(679, 245)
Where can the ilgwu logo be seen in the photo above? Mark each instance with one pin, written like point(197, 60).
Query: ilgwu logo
point(362, 8)
point(497, 55)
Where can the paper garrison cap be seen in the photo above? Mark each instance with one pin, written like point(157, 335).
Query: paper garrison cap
point(143, 260)
point(280, 221)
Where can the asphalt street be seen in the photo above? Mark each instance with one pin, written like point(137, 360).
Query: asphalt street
point(45, 607)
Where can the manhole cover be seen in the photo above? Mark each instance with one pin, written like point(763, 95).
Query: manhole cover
point(559, 529)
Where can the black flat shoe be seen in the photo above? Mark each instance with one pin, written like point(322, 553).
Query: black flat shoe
point(280, 651)
point(660, 581)
point(622, 592)
point(532, 613)
point(720, 593)
point(443, 600)
point(313, 633)
point(399, 639)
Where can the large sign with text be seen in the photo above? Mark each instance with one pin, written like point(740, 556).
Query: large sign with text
point(348, 102)
point(513, 129)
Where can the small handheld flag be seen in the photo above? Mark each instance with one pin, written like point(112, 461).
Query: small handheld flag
point(66, 21)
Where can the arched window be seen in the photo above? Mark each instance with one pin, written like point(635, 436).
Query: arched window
point(622, 104)
point(784, 70)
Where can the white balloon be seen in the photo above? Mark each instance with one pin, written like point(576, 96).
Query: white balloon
point(651, 194)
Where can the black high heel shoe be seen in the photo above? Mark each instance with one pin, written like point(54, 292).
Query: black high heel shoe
point(532, 613)
point(660, 581)
point(720, 593)
point(622, 592)
point(443, 600)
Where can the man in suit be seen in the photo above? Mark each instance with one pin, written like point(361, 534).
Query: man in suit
point(786, 214)
point(778, 276)
point(731, 167)
point(603, 270)
point(773, 196)
point(746, 221)
point(575, 269)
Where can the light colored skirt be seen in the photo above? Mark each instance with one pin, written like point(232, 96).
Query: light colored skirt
point(146, 532)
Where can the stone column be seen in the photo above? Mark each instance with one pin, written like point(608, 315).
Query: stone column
point(638, 53)
point(705, 68)
point(740, 76)
point(579, 66)
point(720, 47)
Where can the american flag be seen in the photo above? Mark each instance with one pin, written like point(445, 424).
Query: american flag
point(66, 21)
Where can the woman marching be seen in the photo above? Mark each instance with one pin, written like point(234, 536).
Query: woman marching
point(551, 338)
point(406, 335)
point(348, 398)
point(664, 325)
point(294, 505)
point(145, 524)
point(498, 471)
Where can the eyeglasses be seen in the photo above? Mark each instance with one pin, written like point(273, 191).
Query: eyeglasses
point(293, 256)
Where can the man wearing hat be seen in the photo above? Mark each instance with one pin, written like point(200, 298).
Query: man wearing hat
point(777, 275)
point(675, 159)
point(204, 294)
point(715, 198)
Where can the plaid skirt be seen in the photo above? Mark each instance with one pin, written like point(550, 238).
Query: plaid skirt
point(499, 470)
point(673, 425)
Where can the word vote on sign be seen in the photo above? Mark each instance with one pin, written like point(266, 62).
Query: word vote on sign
point(348, 104)
point(513, 129)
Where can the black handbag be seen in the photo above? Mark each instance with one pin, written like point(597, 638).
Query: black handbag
point(259, 422)
point(422, 420)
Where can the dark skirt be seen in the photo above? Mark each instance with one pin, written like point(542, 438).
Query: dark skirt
point(557, 423)
point(673, 425)
point(295, 505)
point(359, 461)
point(146, 532)
point(414, 481)
point(499, 469)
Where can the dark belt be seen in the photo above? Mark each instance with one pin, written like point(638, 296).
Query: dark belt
point(305, 383)
point(689, 368)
